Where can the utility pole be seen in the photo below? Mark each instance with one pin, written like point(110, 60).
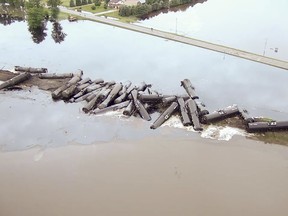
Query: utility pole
point(176, 26)
point(265, 47)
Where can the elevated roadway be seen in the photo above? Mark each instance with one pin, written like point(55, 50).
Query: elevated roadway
point(182, 39)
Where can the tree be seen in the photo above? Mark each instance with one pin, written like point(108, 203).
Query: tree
point(165, 4)
point(142, 9)
point(34, 4)
point(105, 5)
point(53, 7)
point(97, 2)
point(124, 10)
point(78, 3)
point(174, 3)
point(54, 12)
point(72, 3)
point(84, 2)
point(54, 3)
point(155, 6)
point(14, 3)
point(35, 14)
point(89, 1)
point(36, 20)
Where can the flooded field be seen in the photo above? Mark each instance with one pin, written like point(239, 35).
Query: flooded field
point(253, 26)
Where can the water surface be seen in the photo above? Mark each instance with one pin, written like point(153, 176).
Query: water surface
point(257, 26)
point(117, 54)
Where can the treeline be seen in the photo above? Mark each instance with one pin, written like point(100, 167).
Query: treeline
point(14, 3)
point(142, 9)
point(76, 3)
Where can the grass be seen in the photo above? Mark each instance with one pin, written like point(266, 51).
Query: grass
point(120, 18)
point(97, 10)
point(279, 137)
point(65, 3)
point(63, 16)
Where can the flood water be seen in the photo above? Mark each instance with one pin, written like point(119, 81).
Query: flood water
point(79, 164)
point(116, 54)
point(252, 25)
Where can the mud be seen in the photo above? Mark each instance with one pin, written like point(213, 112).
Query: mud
point(43, 84)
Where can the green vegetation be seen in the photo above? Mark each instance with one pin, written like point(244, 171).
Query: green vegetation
point(88, 8)
point(121, 18)
point(77, 3)
point(279, 137)
point(36, 14)
point(63, 16)
point(14, 3)
point(141, 10)
point(66, 3)
point(97, 3)
point(13, 12)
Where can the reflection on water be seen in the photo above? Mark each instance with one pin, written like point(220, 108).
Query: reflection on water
point(116, 54)
point(181, 8)
point(6, 19)
point(257, 26)
point(38, 34)
point(57, 34)
point(12, 14)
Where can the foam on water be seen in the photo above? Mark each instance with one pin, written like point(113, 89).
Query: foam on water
point(211, 132)
point(175, 122)
point(221, 133)
point(115, 114)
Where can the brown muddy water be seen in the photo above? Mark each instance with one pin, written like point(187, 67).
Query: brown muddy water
point(56, 160)
point(154, 177)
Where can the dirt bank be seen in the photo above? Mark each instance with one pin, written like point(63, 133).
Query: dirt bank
point(43, 84)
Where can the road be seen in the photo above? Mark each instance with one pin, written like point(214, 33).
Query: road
point(182, 39)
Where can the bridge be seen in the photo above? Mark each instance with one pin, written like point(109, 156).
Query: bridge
point(182, 39)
